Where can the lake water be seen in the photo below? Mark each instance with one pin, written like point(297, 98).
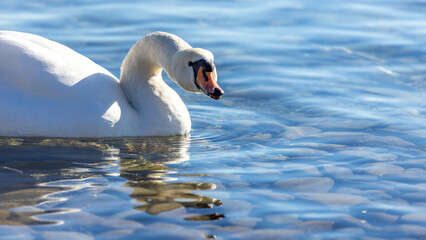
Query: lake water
point(321, 133)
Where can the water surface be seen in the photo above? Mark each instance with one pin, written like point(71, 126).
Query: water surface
point(321, 133)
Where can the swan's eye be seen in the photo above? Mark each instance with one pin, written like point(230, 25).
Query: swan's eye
point(190, 63)
point(208, 67)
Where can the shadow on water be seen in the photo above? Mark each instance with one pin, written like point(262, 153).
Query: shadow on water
point(35, 169)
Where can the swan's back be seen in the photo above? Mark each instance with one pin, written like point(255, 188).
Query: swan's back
point(36, 65)
point(47, 89)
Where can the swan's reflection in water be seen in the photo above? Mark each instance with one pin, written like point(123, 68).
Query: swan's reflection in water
point(28, 167)
point(148, 175)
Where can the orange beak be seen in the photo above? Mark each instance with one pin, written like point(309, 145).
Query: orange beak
point(208, 83)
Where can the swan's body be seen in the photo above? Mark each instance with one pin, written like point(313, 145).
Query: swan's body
point(47, 89)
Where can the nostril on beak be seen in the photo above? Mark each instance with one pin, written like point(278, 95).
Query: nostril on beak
point(218, 92)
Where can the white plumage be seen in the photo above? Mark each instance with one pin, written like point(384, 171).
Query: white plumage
point(47, 89)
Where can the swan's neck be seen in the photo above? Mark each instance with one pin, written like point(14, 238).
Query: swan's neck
point(144, 62)
point(143, 85)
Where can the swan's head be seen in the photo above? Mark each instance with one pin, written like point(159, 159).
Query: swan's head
point(194, 71)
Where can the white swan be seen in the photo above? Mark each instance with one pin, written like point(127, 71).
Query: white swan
point(47, 89)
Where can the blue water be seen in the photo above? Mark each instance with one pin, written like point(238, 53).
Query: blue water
point(320, 134)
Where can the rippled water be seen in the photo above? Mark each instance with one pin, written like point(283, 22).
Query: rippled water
point(321, 133)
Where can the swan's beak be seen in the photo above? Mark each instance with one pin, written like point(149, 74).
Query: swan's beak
point(207, 82)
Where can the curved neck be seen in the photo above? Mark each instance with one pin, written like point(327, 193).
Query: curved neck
point(141, 68)
point(159, 109)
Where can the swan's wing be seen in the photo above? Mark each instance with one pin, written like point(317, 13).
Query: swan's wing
point(36, 65)
point(48, 89)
